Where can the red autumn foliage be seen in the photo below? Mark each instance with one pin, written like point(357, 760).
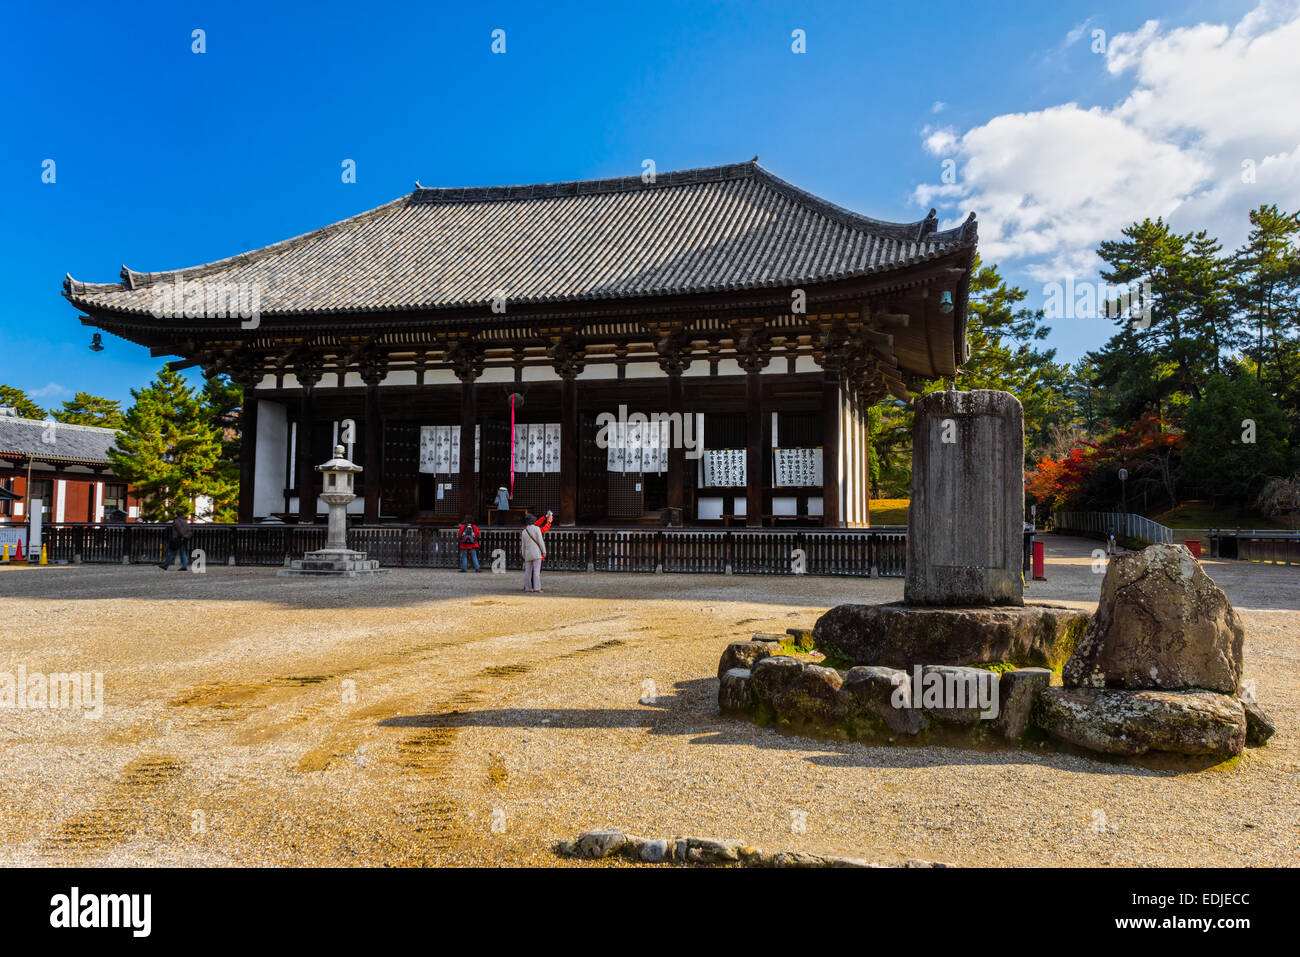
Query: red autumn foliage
point(1085, 477)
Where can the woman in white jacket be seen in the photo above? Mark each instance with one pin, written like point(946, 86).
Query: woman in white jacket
point(533, 547)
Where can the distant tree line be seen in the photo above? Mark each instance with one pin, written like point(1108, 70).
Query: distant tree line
point(1198, 396)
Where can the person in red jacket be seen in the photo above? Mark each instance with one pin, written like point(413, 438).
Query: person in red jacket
point(544, 523)
point(468, 536)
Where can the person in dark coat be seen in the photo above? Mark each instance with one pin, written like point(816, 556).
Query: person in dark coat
point(181, 531)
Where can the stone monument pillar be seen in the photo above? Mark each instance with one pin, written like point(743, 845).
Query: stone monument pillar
point(965, 525)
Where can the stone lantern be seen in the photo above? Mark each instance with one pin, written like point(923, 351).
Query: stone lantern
point(338, 476)
point(338, 488)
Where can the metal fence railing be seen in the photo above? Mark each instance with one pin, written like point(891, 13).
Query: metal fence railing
point(1124, 524)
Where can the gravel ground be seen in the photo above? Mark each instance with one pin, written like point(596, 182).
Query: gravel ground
point(431, 717)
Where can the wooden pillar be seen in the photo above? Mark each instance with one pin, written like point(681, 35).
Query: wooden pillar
point(676, 449)
point(308, 374)
point(567, 356)
point(466, 360)
point(754, 446)
point(830, 446)
point(469, 500)
point(373, 476)
point(247, 454)
point(568, 447)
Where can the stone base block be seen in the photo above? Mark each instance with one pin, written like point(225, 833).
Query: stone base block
point(901, 636)
point(1116, 721)
point(332, 562)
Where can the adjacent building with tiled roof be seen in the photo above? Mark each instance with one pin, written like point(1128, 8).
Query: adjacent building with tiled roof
point(723, 290)
point(65, 467)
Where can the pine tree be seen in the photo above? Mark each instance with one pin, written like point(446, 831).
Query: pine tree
point(20, 401)
point(222, 401)
point(86, 409)
point(1004, 338)
point(1268, 288)
point(170, 450)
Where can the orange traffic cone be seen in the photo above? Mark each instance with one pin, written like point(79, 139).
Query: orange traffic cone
point(45, 559)
point(18, 555)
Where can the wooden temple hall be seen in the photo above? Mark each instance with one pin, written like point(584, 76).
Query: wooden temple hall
point(768, 320)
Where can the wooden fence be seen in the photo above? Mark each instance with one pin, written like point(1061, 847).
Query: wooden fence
point(847, 552)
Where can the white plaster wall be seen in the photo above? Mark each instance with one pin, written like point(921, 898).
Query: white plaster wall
point(440, 376)
point(400, 377)
point(645, 370)
point(538, 373)
point(269, 467)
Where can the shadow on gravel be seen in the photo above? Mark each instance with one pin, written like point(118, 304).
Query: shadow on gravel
point(692, 710)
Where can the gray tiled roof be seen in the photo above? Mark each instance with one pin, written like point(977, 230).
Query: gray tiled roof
point(62, 443)
point(705, 230)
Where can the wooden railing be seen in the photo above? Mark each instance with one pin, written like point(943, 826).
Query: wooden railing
point(844, 552)
point(1277, 548)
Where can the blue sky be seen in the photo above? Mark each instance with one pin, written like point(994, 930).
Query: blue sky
point(166, 158)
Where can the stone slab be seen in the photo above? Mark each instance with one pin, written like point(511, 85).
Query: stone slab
point(965, 526)
point(896, 635)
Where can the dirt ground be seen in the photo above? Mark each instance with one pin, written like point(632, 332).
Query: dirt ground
point(432, 718)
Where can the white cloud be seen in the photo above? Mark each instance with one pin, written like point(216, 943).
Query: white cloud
point(51, 390)
point(1049, 185)
point(1076, 34)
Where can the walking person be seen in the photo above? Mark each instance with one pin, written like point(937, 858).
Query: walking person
point(179, 542)
point(533, 547)
point(468, 536)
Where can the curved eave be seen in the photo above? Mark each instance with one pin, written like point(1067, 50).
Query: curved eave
point(79, 293)
point(54, 459)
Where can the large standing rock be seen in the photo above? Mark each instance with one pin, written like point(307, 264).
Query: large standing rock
point(1161, 623)
point(1134, 722)
point(965, 528)
point(899, 636)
